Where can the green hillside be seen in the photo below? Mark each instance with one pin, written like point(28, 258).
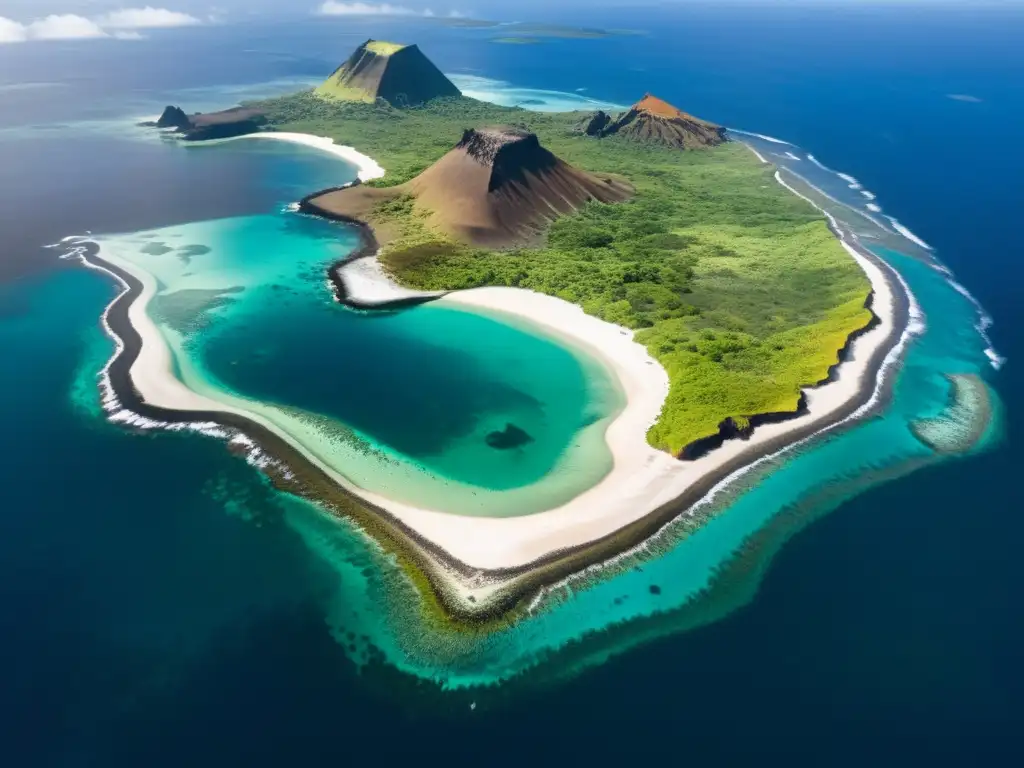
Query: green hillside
point(735, 285)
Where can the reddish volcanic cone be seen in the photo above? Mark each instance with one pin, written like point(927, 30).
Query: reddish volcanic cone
point(655, 121)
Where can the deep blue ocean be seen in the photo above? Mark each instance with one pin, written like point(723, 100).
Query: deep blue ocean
point(142, 625)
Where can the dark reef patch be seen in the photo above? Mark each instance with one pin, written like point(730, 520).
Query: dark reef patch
point(508, 438)
point(187, 252)
point(157, 249)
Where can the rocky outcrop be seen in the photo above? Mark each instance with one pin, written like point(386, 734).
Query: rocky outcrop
point(595, 124)
point(237, 121)
point(174, 117)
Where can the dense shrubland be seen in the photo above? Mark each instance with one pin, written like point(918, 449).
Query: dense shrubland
point(735, 285)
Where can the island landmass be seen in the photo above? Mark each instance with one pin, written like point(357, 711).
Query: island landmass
point(738, 318)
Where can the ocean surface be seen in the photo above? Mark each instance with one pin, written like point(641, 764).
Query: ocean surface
point(162, 605)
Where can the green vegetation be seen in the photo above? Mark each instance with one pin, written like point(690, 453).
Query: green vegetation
point(384, 48)
point(735, 285)
point(332, 89)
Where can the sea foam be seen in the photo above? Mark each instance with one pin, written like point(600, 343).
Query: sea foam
point(761, 136)
point(908, 234)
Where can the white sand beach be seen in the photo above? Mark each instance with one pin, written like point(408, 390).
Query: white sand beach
point(368, 168)
point(642, 479)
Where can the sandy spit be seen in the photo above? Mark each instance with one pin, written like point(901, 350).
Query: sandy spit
point(368, 168)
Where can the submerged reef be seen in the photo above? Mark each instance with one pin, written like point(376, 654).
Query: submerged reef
point(961, 425)
point(510, 437)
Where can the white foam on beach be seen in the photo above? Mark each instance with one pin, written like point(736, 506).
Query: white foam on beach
point(367, 168)
point(874, 207)
point(850, 180)
point(826, 195)
point(641, 480)
point(761, 136)
point(985, 320)
point(818, 163)
point(908, 234)
point(791, 156)
point(868, 195)
point(757, 154)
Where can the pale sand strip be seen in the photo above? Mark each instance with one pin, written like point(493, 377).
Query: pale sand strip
point(642, 479)
point(368, 168)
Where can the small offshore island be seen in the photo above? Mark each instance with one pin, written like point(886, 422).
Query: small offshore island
point(735, 317)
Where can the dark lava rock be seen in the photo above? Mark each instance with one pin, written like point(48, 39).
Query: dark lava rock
point(174, 117)
point(595, 124)
point(511, 437)
point(655, 589)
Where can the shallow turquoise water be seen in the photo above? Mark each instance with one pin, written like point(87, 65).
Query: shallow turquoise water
point(401, 403)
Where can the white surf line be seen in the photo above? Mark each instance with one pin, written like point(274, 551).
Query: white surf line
point(761, 136)
point(985, 320)
point(908, 234)
point(820, 164)
point(826, 195)
point(850, 180)
point(506, 542)
point(757, 154)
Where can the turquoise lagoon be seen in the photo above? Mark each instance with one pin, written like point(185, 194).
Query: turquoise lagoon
point(401, 402)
